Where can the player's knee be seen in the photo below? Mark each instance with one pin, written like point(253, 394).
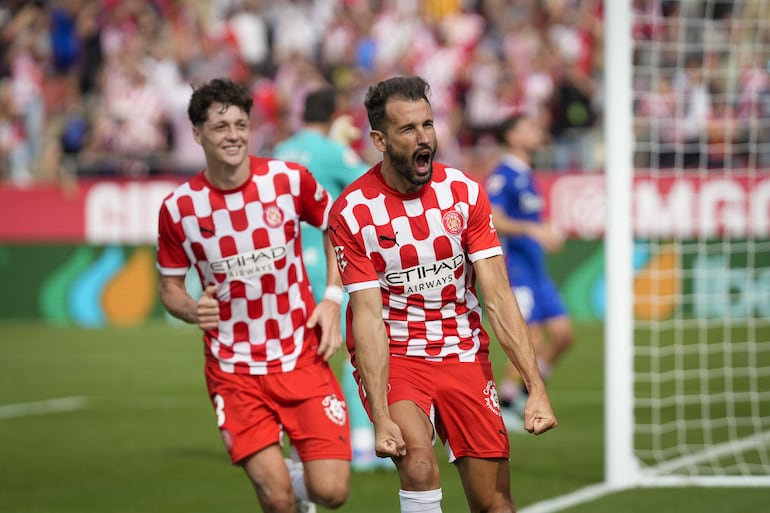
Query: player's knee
point(498, 503)
point(332, 496)
point(278, 501)
point(504, 505)
point(419, 471)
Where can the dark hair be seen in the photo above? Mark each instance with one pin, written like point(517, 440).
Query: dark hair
point(320, 105)
point(509, 123)
point(218, 90)
point(402, 88)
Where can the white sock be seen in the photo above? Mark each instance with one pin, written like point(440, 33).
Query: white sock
point(297, 476)
point(428, 501)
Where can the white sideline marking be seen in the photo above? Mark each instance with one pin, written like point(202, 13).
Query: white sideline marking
point(10, 411)
point(587, 494)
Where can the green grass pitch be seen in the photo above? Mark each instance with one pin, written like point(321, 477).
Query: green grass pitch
point(144, 440)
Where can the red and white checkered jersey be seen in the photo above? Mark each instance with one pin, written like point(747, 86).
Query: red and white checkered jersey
point(419, 250)
point(247, 242)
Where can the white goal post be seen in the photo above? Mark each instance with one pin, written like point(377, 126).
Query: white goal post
point(687, 323)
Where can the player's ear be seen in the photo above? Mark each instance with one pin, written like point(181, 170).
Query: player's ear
point(196, 134)
point(378, 139)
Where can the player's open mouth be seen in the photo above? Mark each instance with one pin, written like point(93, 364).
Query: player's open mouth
point(422, 160)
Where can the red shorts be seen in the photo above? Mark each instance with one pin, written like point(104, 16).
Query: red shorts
point(254, 411)
point(461, 400)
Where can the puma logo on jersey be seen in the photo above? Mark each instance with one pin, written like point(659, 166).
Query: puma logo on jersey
point(391, 240)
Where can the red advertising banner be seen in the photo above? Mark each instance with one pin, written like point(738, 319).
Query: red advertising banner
point(664, 205)
point(98, 212)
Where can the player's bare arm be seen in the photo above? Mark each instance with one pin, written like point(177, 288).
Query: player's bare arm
point(204, 312)
point(513, 335)
point(327, 313)
point(546, 234)
point(372, 357)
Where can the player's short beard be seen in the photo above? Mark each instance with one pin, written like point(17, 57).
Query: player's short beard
point(404, 164)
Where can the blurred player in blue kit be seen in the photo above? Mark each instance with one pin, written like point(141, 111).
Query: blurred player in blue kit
point(322, 145)
point(517, 210)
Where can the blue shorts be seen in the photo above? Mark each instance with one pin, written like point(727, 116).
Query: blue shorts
point(539, 299)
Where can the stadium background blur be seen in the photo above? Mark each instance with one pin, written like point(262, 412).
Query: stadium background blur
point(94, 132)
point(100, 87)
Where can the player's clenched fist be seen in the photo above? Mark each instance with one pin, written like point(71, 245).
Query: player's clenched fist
point(207, 310)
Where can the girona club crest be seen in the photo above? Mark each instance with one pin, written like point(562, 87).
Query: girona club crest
point(273, 216)
point(490, 397)
point(453, 222)
point(335, 409)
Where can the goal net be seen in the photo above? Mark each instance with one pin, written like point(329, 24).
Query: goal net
point(698, 404)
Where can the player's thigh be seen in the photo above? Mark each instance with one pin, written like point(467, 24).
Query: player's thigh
point(410, 400)
point(314, 414)
point(418, 469)
point(468, 418)
point(328, 477)
point(416, 426)
point(246, 419)
point(486, 483)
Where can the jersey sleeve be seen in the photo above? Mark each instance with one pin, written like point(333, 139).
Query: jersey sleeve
point(356, 268)
point(481, 236)
point(172, 259)
point(315, 202)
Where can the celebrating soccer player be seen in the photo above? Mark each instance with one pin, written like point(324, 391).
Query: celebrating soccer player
point(267, 343)
point(413, 238)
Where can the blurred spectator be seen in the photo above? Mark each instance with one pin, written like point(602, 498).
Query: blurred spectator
point(27, 49)
point(130, 130)
point(13, 165)
point(573, 103)
point(655, 124)
point(694, 110)
point(721, 132)
point(185, 156)
point(572, 118)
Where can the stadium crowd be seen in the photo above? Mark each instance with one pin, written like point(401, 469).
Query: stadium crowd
point(100, 87)
point(105, 83)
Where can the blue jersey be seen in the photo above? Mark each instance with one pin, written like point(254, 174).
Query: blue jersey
point(334, 166)
point(512, 188)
